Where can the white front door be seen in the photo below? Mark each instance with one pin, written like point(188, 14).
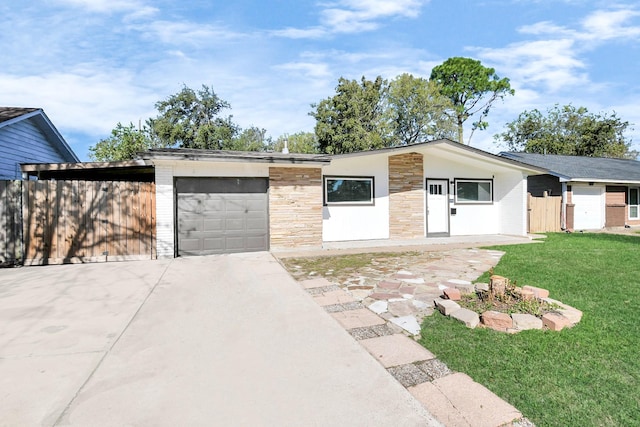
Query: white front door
point(437, 207)
point(589, 207)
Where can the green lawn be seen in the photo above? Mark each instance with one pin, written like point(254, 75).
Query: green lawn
point(585, 376)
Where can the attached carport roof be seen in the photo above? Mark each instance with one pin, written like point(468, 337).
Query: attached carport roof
point(136, 170)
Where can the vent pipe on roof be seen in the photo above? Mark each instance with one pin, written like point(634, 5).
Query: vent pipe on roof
point(285, 150)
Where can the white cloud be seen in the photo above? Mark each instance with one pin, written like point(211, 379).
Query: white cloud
point(301, 33)
point(354, 16)
point(108, 6)
point(555, 61)
point(184, 32)
point(552, 63)
point(308, 70)
point(610, 24)
point(82, 101)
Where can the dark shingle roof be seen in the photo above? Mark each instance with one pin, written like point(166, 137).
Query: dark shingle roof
point(582, 168)
point(8, 113)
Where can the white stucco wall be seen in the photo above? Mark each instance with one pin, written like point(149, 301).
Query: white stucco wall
point(470, 219)
point(511, 191)
point(342, 223)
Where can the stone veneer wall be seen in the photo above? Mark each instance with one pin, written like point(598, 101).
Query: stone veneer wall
point(295, 207)
point(406, 196)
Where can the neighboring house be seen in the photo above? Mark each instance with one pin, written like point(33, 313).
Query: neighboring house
point(222, 201)
point(28, 136)
point(596, 192)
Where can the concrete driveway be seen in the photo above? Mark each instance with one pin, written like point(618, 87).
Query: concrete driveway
point(221, 340)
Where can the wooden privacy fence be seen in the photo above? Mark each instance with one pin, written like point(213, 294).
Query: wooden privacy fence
point(10, 222)
point(84, 221)
point(545, 213)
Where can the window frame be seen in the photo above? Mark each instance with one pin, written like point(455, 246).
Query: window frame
point(325, 195)
point(472, 202)
point(637, 206)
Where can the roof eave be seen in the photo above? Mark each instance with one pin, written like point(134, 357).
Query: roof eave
point(152, 157)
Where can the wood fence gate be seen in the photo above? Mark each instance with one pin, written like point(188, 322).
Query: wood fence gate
point(86, 221)
point(545, 213)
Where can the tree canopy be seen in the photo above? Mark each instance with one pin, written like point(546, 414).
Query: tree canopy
point(123, 144)
point(187, 119)
point(472, 88)
point(352, 119)
point(376, 113)
point(191, 119)
point(300, 142)
point(418, 111)
point(568, 130)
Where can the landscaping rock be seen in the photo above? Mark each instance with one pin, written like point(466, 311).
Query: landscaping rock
point(524, 322)
point(497, 321)
point(555, 321)
point(537, 292)
point(389, 284)
point(466, 316)
point(526, 294)
point(408, 323)
point(379, 307)
point(573, 314)
point(452, 294)
point(498, 285)
point(446, 306)
point(466, 288)
point(482, 287)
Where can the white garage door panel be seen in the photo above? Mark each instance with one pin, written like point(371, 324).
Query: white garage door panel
point(588, 209)
point(222, 215)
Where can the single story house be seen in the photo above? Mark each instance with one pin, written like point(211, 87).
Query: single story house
point(221, 201)
point(596, 192)
point(28, 136)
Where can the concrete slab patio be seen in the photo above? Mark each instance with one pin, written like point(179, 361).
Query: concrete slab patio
point(221, 340)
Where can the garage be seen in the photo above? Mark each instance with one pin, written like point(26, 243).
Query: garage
point(221, 215)
point(589, 208)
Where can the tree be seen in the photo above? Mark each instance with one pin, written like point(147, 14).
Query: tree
point(190, 119)
point(417, 111)
point(123, 144)
point(300, 142)
point(251, 139)
point(472, 88)
point(352, 119)
point(568, 130)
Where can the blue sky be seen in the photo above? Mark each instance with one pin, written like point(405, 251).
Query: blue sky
point(93, 63)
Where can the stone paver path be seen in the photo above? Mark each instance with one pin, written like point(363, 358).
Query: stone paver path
point(382, 306)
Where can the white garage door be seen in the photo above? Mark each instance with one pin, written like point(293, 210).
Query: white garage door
point(589, 208)
point(222, 215)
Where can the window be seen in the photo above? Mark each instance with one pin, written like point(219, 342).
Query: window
point(346, 190)
point(435, 189)
point(474, 191)
point(634, 203)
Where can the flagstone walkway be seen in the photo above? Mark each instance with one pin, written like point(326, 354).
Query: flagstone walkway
point(382, 306)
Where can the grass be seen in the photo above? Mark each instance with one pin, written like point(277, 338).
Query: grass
point(585, 376)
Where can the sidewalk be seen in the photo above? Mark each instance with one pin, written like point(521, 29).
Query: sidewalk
point(383, 312)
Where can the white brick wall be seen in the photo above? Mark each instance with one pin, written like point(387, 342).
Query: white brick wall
point(164, 211)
